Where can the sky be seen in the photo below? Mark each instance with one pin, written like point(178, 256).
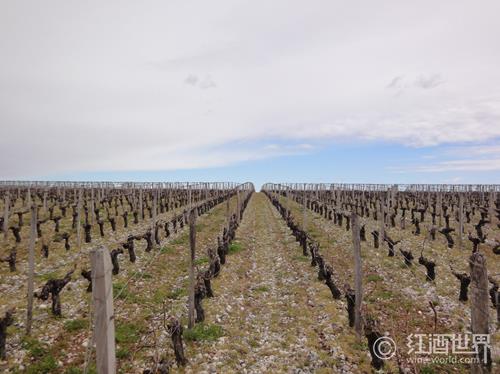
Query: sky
point(292, 91)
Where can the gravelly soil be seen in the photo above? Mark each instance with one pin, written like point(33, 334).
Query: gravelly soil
point(276, 316)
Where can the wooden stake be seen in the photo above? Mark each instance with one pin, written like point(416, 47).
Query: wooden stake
point(102, 296)
point(78, 222)
point(6, 214)
point(357, 274)
point(192, 245)
point(31, 269)
point(460, 219)
point(479, 308)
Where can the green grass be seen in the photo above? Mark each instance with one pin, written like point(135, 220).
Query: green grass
point(127, 332)
point(121, 291)
point(374, 278)
point(122, 353)
point(47, 276)
point(46, 366)
point(77, 370)
point(44, 362)
point(235, 248)
point(261, 289)
point(183, 239)
point(35, 348)
point(176, 294)
point(384, 295)
point(166, 250)
point(201, 261)
point(75, 325)
point(301, 258)
point(202, 332)
point(143, 275)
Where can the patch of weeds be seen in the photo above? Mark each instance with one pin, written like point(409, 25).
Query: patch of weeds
point(176, 294)
point(164, 250)
point(77, 370)
point(199, 227)
point(427, 369)
point(159, 295)
point(46, 366)
point(127, 332)
point(235, 248)
point(201, 261)
point(47, 276)
point(75, 325)
point(35, 348)
point(202, 332)
point(57, 237)
point(301, 258)
point(122, 353)
point(142, 275)
point(73, 370)
point(360, 346)
point(374, 278)
point(384, 295)
point(121, 291)
point(261, 289)
point(183, 239)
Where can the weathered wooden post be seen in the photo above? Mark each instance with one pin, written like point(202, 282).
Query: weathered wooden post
point(358, 274)
point(153, 224)
point(304, 208)
point(479, 309)
point(92, 210)
point(382, 222)
point(140, 204)
point(192, 246)
point(78, 222)
point(238, 205)
point(6, 214)
point(228, 210)
point(102, 296)
point(460, 219)
point(31, 269)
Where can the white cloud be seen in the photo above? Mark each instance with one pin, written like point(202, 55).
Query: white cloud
point(429, 81)
point(83, 89)
point(464, 158)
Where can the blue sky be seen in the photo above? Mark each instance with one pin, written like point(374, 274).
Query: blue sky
point(379, 91)
point(340, 162)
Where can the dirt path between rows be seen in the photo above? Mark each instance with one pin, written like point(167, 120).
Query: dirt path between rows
point(276, 316)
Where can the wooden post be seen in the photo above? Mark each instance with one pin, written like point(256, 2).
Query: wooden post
point(192, 246)
point(304, 213)
point(492, 207)
point(439, 207)
point(357, 274)
point(78, 222)
point(460, 219)
point(92, 213)
point(153, 224)
point(6, 214)
point(382, 223)
point(140, 204)
point(228, 211)
point(102, 296)
point(479, 308)
point(31, 269)
point(238, 205)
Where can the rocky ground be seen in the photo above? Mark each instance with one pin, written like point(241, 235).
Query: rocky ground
point(269, 313)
